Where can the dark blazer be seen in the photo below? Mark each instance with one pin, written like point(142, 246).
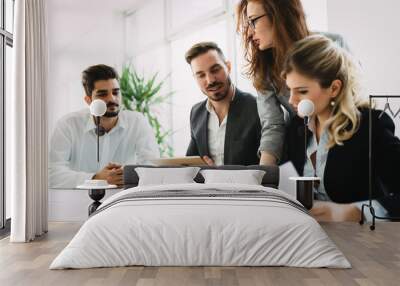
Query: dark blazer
point(243, 131)
point(347, 168)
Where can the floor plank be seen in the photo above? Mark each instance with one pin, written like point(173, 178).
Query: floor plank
point(374, 255)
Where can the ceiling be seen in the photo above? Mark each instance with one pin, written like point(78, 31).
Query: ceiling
point(70, 21)
point(87, 5)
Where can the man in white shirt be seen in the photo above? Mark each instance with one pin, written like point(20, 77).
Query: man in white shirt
point(126, 137)
point(225, 128)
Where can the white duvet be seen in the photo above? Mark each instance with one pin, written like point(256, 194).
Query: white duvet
point(227, 231)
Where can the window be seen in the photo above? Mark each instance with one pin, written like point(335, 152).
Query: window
point(6, 44)
point(183, 13)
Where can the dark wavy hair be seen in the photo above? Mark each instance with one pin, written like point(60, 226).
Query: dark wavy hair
point(288, 24)
point(202, 48)
point(95, 73)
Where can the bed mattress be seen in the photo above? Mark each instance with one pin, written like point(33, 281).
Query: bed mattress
point(201, 225)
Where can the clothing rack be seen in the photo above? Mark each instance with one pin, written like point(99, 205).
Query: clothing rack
point(369, 205)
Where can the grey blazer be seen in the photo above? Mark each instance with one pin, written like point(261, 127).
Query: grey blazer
point(273, 116)
point(243, 131)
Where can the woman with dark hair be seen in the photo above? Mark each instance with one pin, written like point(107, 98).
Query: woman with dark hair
point(269, 28)
point(337, 148)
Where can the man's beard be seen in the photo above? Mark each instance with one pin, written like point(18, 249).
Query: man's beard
point(220, 95)
point(110, 114)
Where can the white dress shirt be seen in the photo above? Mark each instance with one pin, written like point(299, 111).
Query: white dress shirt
point(216, 134)
point(73, 146)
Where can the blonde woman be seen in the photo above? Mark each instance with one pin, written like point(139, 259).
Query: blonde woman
point(337, 150)
point(269, 28)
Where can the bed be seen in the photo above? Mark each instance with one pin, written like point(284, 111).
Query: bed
point(201, 224)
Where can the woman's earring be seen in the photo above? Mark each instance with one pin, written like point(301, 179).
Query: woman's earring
point(332, 103)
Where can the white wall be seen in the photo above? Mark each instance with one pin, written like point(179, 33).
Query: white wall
point(72, 205)
point(371, 27)
point(316, 14)
point(81, 33)
point(148, 51)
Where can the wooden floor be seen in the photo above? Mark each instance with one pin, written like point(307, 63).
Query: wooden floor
point(374, 255)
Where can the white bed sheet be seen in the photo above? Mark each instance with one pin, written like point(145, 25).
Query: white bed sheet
point(200, 231)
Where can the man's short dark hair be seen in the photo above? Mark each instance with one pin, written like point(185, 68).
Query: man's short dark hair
point(202, 48)
point(95, 73)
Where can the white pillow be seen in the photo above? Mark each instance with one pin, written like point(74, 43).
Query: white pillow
point(248, 177)
point(165, 176)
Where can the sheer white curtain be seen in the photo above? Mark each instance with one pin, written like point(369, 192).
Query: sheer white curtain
point(28, 163)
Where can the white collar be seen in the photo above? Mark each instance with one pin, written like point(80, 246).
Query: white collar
point(121, 123)
point(209, 106)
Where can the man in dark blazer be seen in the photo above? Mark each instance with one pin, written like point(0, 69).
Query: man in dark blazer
point(225, 128)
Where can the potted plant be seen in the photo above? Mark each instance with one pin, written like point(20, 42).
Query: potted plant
point(142, 94)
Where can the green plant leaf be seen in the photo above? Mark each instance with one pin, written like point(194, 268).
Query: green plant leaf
point(141, 94)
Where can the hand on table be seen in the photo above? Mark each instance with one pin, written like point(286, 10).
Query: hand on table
point(333, 212)
point(113, 173)
point(208, 161)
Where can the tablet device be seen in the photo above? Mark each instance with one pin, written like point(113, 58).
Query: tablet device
point(180, 161)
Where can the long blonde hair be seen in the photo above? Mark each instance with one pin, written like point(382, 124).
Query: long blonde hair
point(319, 58)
